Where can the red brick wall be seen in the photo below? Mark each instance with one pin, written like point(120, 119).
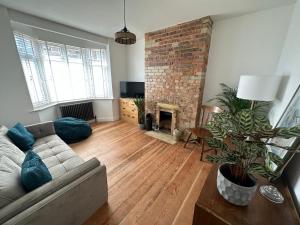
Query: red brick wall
point(175, 67)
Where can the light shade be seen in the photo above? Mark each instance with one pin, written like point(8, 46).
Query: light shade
point(258, 88)
point(125, 37)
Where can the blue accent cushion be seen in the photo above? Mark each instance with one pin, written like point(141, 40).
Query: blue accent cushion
point(72, 130)
point(34, 172)
point(21, 137)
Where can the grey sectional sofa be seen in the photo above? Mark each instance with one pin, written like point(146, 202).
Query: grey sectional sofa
point(77, 190)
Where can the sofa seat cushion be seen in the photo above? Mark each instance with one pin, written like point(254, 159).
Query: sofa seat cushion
point(58, 156)
point(10, 182)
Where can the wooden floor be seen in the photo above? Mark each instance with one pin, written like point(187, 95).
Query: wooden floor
point(149, 181)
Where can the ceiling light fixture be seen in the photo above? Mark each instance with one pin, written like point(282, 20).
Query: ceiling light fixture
point(124, 36)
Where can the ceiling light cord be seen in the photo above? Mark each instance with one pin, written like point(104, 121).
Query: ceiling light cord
point(124, 36)
point(124, 15)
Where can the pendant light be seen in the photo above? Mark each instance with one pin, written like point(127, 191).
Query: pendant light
point(124, 36)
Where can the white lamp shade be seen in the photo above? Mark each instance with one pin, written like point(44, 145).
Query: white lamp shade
point(258, 88)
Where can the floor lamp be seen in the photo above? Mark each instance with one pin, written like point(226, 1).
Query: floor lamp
point(258, 88)
point(261, 88)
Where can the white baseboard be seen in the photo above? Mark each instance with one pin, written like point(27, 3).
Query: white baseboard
point(107, 119)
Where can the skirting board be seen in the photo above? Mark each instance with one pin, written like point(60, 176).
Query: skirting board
point(107, 119)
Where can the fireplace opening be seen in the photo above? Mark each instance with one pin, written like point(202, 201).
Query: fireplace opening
point(165, 121)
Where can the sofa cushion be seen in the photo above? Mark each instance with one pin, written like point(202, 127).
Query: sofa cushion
point(8, 149)
point(3, 130)
point(10, 182)
point(57, 155)
point(34, 172)
point(21, 137)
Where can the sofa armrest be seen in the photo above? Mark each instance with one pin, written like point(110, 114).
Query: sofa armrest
point(43, 192)
point(40, 130)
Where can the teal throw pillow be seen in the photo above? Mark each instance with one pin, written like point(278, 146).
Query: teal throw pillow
point(22, 138)
point(34, 172)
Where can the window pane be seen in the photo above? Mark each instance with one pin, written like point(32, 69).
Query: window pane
point(48, 72)
point(30, 63)
point(99, 81)
point(54, 55)
point(76, 70)
point(30, 82)
point(61, 80)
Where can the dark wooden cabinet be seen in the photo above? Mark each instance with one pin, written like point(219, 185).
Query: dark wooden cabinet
point(212, 209)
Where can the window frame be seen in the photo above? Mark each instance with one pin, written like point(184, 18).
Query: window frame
point(87, 67)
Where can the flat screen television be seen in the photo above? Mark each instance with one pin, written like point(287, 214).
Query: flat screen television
point(130, 89)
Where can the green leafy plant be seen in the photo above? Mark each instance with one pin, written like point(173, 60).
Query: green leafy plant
point(241, 142)
point(140, 104)
point(227, 99)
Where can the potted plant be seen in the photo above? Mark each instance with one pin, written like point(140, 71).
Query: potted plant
point(239, 136)
point(241, 141)
point(140, 104)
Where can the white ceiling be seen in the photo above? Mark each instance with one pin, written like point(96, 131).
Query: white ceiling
point(105, 17)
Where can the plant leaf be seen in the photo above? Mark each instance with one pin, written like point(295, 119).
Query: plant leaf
point(216, 143)
point(216, 158)
point(275, 158)
point(245, 118)
point(289, 132)
point(227, 157)
point(259, 169)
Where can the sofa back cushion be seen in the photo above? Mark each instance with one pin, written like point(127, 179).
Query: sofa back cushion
point(21, 137)
point(8, 149)
point(3, 130)
point(10, 181)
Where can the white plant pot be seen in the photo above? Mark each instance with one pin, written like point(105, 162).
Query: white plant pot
point(234, 193)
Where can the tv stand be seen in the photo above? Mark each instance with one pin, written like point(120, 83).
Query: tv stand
point(128, 110)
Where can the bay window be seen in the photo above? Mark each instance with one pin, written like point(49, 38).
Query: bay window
point(56, 72)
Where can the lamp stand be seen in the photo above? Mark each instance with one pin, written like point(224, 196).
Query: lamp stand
point(252, 104)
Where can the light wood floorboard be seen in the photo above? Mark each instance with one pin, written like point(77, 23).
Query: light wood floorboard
point(149, 181)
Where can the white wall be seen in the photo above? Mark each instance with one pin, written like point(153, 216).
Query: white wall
point(118, 65)
point(135, 60)
point(48, 114)
point(289, 65)
point(14, 96)
point(106, 110)
point(55, 27)
point(248, 44)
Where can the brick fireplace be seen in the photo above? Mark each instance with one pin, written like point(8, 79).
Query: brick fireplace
point(175, 68)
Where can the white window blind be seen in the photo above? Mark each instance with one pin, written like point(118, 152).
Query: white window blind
point(57, 72)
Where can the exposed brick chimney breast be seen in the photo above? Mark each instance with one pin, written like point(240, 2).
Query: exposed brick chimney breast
point(175, 66)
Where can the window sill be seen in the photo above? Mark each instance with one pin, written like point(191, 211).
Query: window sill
point(40, 108)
